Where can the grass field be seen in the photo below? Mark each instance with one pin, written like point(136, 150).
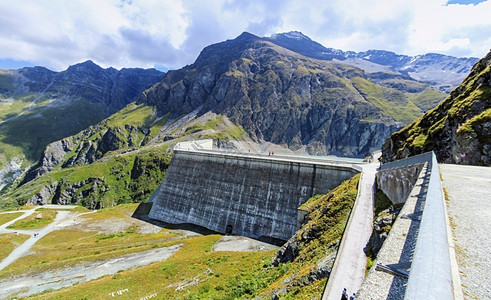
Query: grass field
point(9, 242)
point(4, 218)
point(37, 220)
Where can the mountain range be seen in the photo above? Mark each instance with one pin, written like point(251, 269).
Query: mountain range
point(94, 146)
point(442, 71)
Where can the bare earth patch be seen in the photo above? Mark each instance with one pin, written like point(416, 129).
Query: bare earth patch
point(240, 243)
point(28, 285)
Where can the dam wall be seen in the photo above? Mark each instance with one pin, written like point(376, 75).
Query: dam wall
point(250, 195)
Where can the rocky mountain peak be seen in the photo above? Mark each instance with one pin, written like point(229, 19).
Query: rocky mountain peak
point(246, 36)
point(295, 35)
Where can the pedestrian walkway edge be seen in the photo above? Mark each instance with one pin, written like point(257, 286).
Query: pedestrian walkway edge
point(328, 286)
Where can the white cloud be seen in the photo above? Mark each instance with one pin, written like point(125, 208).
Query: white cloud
point(144, 33)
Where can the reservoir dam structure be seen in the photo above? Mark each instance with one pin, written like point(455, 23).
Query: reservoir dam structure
point(238, 193)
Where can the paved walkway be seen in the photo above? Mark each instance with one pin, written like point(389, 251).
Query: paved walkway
point(349, 268)
point(469, 210)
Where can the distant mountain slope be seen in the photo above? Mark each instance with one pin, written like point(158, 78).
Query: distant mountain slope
point(283, 97)
point(442, 71)
point(39, 106)
point(458, 129)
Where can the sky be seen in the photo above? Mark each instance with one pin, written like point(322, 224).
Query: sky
point(169, 34)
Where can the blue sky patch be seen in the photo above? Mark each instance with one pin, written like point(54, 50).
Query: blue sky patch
point(465, 2)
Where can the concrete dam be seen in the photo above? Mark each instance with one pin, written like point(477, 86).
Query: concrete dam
point(251, 195)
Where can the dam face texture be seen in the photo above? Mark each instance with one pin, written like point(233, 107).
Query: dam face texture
point(256, 197)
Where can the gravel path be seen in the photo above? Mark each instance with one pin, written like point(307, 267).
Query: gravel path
point(469, 210)
point(63, 218)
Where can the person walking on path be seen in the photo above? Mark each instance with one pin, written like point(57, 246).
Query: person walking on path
point(344, 296)
point(352, 297)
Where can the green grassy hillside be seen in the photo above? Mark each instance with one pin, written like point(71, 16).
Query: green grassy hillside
point(457, 129)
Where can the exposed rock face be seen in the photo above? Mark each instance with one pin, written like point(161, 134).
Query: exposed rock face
point(44, 196)
point(288, 252)
point(110, 87)
point(279, 96)
point(72, 193)
point(52, 156)
point(397, 183)
point(458, 129)
point(381, 228)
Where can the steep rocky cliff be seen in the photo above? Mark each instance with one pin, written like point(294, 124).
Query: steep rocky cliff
point(458, 129)
point(282, 97)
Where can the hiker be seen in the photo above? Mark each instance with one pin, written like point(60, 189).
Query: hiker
point(344, 296)
point(352, 297)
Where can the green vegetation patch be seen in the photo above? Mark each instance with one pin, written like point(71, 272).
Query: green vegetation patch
point(13, 107)
point(318, 238)
point(382, 202)
point(10, 241)
point(473, 126)
point(4, 218)
point(85, 243)
point(38, 219)
point(427, 99)
point(390, 101)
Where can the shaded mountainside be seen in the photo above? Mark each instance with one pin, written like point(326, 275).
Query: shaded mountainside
point(101, 166)
point(285, 98)
point(39, 106)
point(458, 129)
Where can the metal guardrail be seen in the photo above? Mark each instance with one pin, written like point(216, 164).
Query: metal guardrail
point(431, 274)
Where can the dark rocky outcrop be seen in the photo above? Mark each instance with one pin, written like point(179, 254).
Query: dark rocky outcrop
point(458, 129)
point(44, 195)
point(381, 227)
point(89, 195)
